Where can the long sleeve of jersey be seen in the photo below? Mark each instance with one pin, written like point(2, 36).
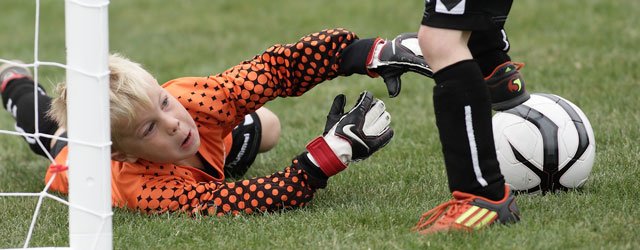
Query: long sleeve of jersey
point(282, 70)
point(285, 70)
point(282, 190)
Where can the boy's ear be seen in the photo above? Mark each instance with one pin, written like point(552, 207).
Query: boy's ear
point(123, 157)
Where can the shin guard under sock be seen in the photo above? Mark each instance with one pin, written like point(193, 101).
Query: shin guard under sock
point(463, 115)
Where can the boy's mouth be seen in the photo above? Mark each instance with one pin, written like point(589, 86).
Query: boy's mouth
point(186, 140)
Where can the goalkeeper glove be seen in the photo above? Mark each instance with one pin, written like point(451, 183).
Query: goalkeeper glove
point(350, 136)
point(391, 59)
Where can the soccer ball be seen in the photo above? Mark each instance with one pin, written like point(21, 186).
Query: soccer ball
point(543, 145)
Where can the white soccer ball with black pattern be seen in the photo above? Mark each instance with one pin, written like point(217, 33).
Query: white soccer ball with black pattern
point(544, 145)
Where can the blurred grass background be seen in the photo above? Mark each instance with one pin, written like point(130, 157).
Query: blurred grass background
point(585, 51)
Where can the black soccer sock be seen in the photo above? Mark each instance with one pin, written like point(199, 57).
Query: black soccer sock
point(18, 99)
point(463, 115)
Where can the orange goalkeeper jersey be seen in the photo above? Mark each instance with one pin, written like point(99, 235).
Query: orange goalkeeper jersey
point(217, 104)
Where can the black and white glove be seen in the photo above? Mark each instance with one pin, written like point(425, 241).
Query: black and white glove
point(351, 136)
point(391, 59)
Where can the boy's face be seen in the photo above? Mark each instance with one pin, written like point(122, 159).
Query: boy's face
point(162, 133)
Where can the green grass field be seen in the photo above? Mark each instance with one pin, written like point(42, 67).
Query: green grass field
point(583, 50)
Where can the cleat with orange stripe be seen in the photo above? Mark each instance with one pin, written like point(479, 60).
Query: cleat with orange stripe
point(467, 212)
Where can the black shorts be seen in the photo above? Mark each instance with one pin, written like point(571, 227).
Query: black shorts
point(470, 15)
point(245, 147)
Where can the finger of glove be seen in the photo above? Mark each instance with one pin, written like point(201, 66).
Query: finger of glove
point(335, 113)
point(409, 55)
point(378, 126)
point(421, 69)
point(375, 144)
point(409, 42)
point(362, 105)
point(411, 63)
point(393, 84)
point(382, 140)
point(425, 71)
point(377, 108)
point(337, 108)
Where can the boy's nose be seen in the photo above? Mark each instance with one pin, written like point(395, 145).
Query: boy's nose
point(174, 126)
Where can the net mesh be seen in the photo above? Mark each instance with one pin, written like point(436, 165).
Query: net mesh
point(35, 65)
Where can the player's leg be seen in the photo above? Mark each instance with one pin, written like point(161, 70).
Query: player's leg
point(259, 132)
point(461, 101)
point(463, 116)
point(18, 98)
point(270, 124)
point(490, 47)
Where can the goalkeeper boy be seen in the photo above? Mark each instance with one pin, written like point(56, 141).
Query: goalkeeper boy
point(174, 144)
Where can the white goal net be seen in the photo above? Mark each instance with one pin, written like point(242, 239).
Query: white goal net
point(88, 133)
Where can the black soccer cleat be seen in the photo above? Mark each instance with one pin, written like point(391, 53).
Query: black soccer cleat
point(506, 86)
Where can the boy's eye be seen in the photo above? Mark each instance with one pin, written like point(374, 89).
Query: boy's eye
point(165, 102)
point(149, 129)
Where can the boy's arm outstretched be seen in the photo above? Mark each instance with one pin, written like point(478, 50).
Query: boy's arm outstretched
point(292, 69)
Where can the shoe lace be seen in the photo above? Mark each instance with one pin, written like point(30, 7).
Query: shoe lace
point(446, 211)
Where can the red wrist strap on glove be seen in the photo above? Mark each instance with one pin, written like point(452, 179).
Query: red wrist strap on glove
point(329, 163)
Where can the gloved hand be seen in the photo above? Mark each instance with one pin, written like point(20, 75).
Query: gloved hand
point(351, 136)
point(391, 59)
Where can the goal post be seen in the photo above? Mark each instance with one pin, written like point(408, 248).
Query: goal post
point(87, 44)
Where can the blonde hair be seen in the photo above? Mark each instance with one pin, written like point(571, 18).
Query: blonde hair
point(128, 84)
